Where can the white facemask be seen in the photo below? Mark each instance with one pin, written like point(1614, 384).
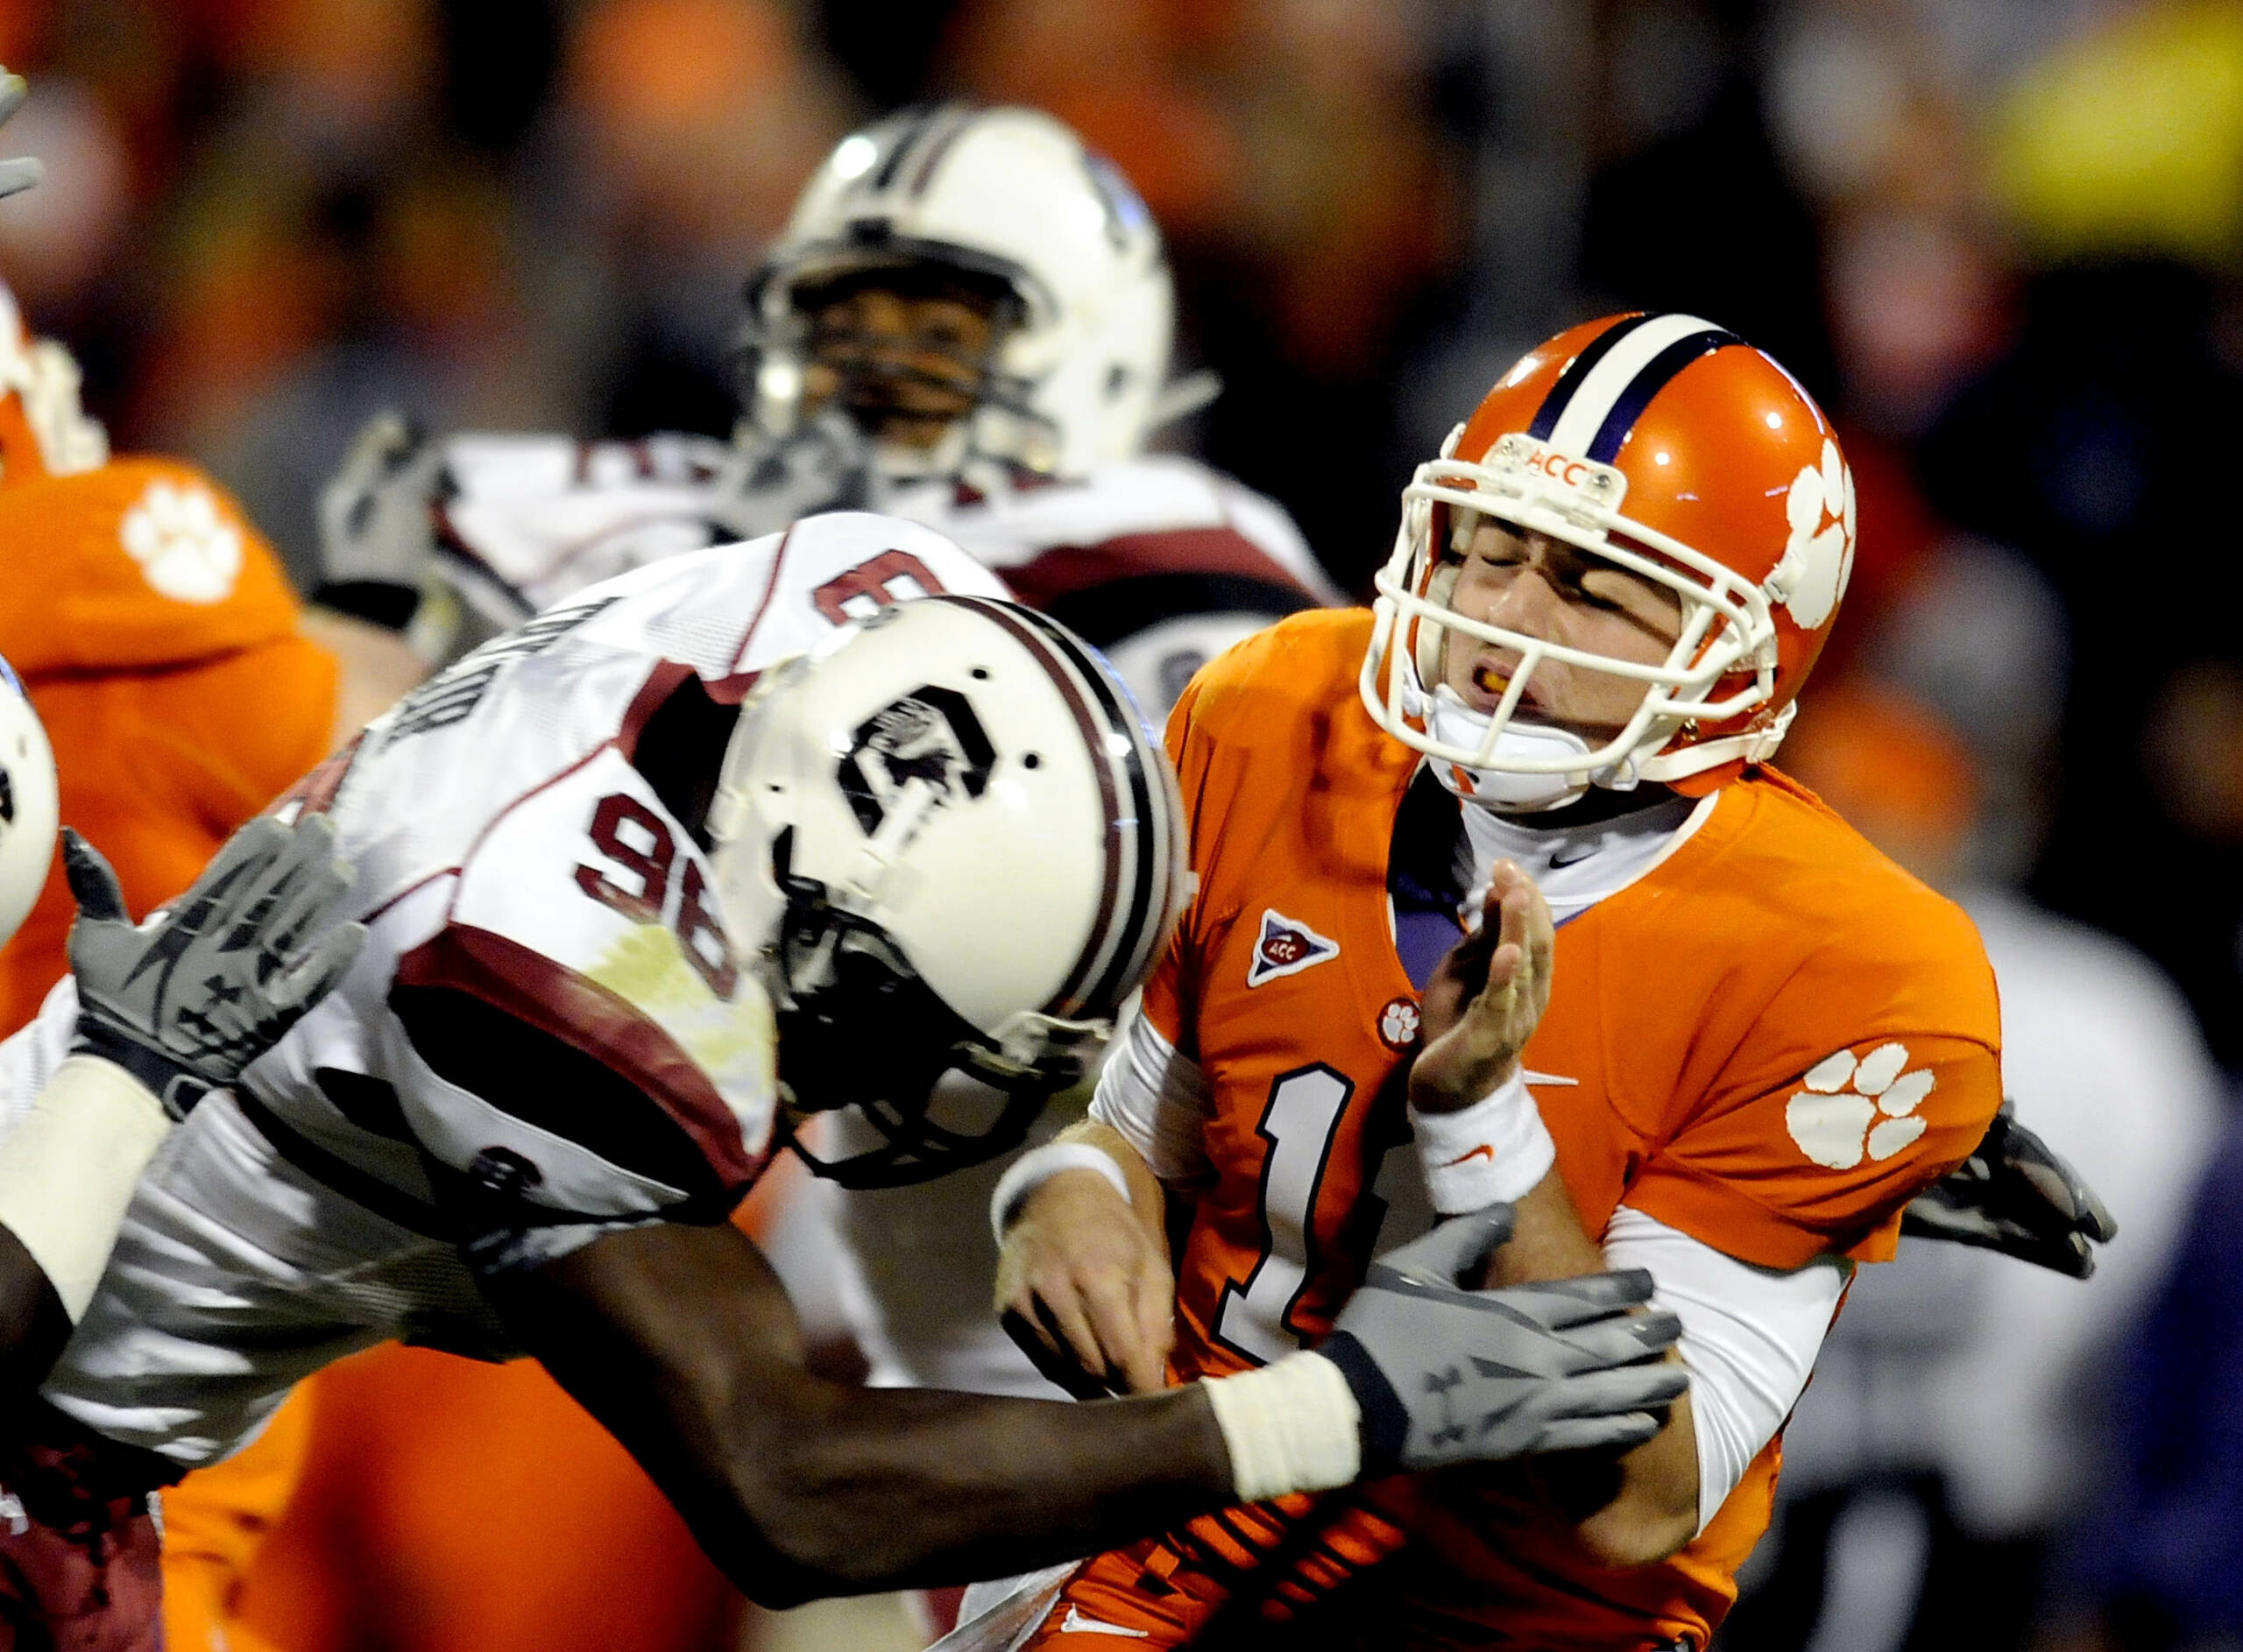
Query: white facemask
point(1453, 722)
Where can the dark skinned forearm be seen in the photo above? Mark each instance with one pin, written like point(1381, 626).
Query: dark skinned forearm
point(33, 1325)
point(681, 1342)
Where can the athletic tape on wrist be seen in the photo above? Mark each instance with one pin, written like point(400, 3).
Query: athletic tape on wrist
point(1032, 1169)
point(67, 1171)
point(1497, 1149)
point(1293, 1426)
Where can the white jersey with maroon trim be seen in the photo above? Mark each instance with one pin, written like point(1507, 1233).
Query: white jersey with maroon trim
point(1160, 561)
point(546, 1037)
point(523, 522)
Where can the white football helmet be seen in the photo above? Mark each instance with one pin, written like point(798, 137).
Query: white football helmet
point(949, 841)
point(29, 805)
point(1079, 372)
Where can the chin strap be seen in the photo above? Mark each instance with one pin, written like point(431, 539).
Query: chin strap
point(1755, 746)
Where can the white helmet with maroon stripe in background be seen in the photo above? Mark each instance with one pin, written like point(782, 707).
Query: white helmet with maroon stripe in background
point(1010, 203)
point(29, 807)
point(951, 843)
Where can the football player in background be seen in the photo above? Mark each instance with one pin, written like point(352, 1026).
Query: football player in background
point(621, 917)
point(167, 1011)
point(1754, 1039)
point(969, 323)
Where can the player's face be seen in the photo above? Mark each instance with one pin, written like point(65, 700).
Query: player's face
point(1556, 592)
point(906, 366)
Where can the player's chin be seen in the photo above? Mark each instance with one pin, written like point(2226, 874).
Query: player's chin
point(906, 424)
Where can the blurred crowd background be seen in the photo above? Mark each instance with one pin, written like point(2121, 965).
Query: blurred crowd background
point(2001, 239)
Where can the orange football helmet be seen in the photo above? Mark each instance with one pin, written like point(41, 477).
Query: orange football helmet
point(44, 431)
point(1676, 450)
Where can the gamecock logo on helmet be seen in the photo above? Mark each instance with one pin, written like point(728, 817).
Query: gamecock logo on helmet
point(932, 735)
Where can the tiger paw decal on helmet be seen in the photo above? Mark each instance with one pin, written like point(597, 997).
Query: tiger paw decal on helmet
point(1855, 1109)
point(1819, 553)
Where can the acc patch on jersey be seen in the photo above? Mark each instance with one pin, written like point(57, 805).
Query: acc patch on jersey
point(1286, 947)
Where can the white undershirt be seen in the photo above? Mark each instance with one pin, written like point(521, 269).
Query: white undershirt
point(1575, 867)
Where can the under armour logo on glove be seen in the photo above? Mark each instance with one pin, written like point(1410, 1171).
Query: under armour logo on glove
point(1448, 1375)
point(1442, 1386)
point(187, 999)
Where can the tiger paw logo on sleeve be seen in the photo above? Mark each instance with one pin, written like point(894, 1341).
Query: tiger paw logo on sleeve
point(185, 547)
point(1855, 1109)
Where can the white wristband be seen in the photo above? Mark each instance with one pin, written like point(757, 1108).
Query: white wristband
point(67, 1171)
point(1032, 1169)
point(1498, 1148)
point(1293, 1426)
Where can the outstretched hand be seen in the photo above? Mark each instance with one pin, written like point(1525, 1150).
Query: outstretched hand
point(376, 513)
point(1486, 997)
point(2016, 1195)
point(1446, 1374)
point(185, 1000)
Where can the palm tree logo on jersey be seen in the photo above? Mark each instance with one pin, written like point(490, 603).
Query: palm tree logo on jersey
point(932, 735)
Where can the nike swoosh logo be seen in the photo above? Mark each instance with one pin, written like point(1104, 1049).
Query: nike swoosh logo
point(1075, 1623)
point(1532, 1078)
point(1484, 1151)
point(1571, 860)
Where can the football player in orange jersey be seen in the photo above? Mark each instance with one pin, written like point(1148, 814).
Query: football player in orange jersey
point(1699, 1025)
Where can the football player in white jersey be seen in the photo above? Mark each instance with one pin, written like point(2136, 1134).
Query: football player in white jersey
point(624, 922)
point(968, 322)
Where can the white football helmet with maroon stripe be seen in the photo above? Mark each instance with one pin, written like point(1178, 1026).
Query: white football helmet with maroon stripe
point(1079, 372)
point(28, 804)
point(952, 842)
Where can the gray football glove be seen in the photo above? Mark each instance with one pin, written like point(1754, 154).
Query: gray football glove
point(827, 465)
point(2015, 1196)
point(377, 523)
point(205, 986)
point(24, 171)
point(1447, 1375)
